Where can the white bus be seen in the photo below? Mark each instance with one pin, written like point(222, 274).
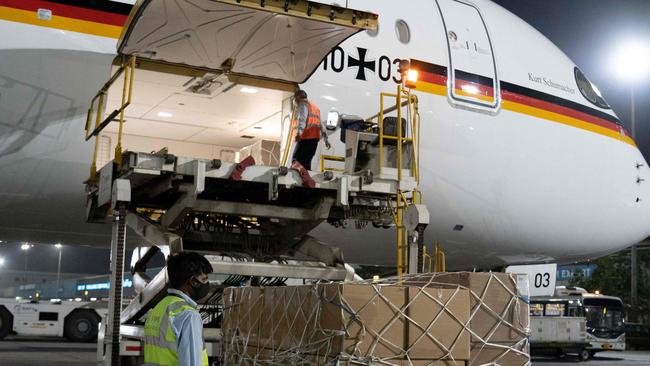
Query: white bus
point(604, 317)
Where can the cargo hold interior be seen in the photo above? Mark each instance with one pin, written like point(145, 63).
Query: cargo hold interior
point(205, 117)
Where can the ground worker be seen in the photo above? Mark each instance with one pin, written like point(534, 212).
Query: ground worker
point(309, 130)
point(173, 330)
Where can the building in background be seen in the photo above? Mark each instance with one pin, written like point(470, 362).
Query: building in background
point(42, 285)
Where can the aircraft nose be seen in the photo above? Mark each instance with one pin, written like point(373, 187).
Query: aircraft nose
point(642, 199)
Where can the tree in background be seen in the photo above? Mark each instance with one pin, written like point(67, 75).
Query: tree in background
point(612, 277)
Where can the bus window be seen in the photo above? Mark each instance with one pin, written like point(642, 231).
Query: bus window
point(604, 317)
point(536, 309)
point(555, 309)
point(575, 311)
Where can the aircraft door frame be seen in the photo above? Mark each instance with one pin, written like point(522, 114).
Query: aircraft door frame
point(471, 81)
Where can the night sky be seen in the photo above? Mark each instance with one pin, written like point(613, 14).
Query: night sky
point(588, 31)
point(44, 258)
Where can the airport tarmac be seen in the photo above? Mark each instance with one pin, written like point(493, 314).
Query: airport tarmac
point(52, 352)
point(630, 358)
point(40, 351)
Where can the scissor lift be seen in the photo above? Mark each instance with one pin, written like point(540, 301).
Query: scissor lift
point(252, 226)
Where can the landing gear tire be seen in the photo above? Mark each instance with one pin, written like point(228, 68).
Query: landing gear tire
point(6, 322)
point(81, 326)
point(585, 355)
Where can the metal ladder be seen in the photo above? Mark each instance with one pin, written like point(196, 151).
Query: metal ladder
point(410, 236)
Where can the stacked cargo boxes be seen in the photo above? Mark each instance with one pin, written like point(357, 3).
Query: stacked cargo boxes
point(500, 319)
point(414, 320)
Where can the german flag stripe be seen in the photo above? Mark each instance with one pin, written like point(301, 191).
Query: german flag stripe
point(107, 6)
point(472, 89)
point(433, 79)
point(64, 17)
point(540, 104)
point(67, 11)
point(482, 83)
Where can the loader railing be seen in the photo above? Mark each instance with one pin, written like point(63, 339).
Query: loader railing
point(405, 106)
point(333, 158)
point(96, 108)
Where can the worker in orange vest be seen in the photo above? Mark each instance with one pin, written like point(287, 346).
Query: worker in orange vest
point(309, 130)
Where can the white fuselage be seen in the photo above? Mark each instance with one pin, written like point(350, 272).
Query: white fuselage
point(508, 183)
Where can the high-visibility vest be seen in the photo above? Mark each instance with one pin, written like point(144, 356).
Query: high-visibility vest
point(160, 347)
point(312, 127)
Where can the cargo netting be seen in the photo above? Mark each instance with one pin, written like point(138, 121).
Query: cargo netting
point(428, 319)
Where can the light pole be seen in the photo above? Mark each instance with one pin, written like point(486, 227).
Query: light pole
point(25, 248)
point(634, 261)
point(631, 66)
point(58, 269)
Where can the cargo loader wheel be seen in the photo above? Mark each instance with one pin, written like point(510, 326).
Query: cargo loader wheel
point(81, 326)
point(584, 355)
point(6, 322)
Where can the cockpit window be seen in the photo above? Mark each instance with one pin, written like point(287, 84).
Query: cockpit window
point(589, 90)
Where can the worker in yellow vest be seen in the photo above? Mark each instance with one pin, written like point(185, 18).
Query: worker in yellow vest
point(173, 331)
point(308, 128)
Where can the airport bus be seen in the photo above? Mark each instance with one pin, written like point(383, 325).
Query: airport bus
point(603, 315)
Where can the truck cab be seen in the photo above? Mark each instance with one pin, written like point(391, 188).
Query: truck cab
point(76, 320)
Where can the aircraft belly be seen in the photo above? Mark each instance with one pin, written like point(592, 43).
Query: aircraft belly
point(43, 159)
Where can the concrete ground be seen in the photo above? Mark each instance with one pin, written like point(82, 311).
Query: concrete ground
point(46, 352)
point(54, 352)
point(628, 358)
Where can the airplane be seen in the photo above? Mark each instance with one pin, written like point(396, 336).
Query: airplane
point(523, 159)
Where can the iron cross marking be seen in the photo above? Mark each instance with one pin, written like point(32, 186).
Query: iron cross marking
point(361, 63)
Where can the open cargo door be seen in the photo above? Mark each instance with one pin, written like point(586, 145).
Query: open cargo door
point(279, 40)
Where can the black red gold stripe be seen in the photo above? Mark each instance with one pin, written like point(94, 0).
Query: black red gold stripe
point(106, 6)
point(105, 18)
point(433, 79)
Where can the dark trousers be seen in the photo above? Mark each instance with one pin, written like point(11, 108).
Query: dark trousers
point(305, 151)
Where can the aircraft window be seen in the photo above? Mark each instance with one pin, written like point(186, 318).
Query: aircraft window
point(403, 31)
point(589, 90)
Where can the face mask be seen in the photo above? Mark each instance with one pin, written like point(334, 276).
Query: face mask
point(200, 290)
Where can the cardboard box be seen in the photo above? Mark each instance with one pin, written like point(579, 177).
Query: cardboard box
point(242, 310)
point(261, 356)
point(409, 363)
point(431, 363)
point(438, 318)
point(500, 354)
point(498, 313)
point(361, 320)
point(372, 319)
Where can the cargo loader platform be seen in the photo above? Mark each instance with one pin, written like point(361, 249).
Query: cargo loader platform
point(267, 210)
point(253, 228)
point(250, 219)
